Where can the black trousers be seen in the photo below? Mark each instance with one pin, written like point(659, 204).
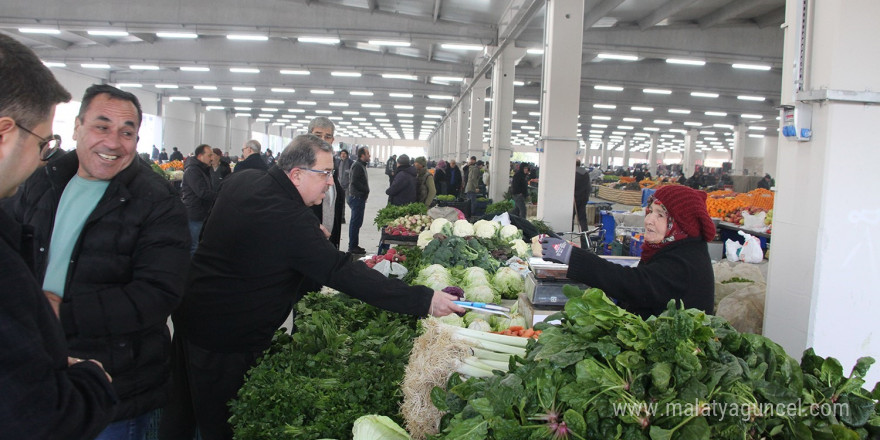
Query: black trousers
point(202, 383)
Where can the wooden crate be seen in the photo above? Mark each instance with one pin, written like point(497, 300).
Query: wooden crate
point(621, 196)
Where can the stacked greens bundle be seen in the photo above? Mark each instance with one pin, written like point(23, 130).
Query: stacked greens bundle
point(345, 360)
point(607, 374)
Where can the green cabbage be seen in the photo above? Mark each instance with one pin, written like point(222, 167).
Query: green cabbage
point(480, 325)
point(373, 427)
point(473, 315)
point(509, 282)
point(480, 294)
point(475, 276)
point(452, 319)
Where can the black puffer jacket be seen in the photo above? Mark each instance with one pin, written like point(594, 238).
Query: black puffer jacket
point(403, 190)
point(197, 191)
point(252, 162)
point(681, 270)
point(125, 278)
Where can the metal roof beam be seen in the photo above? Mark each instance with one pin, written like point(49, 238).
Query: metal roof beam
point(727, 12)
point(599, 12)
point(772, 18)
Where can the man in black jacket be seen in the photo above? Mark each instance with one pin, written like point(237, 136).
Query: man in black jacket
point(251, 159)
point(358, 191)
point(582, 187)
point(176, 154)
point(519, 189)
point(240, 290)
point(46, 393)
point(219, 169)
point(197, 192)
point(113, 242)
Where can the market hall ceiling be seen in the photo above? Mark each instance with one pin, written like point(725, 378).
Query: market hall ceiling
point(394, 65)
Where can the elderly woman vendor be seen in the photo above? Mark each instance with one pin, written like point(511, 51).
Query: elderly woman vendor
point(675, 260)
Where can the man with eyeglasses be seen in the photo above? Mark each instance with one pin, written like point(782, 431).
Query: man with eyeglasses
point(240, 291)
point(112, 241)
point(331, 212)
point(251, 159)
point(46, 393)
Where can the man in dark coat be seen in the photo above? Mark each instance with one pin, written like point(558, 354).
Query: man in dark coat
point(358, 191)
point(390, 168)
point(455, 178)
point(251, 159)
point(197, 192)
point(163, 156)
point(46, 393)
point(582, 187)
point(240, 291)
point(220, 169)
point(331, 211)
point(403, 190)
point(519, 189)
point(176, 155)
point(112, 239)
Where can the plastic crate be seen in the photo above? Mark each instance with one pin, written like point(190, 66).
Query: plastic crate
point(608, 224)
point(635, 245)
point(480, 208)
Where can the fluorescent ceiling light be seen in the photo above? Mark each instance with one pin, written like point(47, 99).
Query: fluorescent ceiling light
point(295, 72)
point(389, 43)
point(606, 106)
point(195, 69)
point(632, 119)
point(447, 78)
point(438, 109)
point(458, 46)
point(625, 127)
point(244, 115)
point(268, 109)
point(722, 114)
point(214, 107)
point(704, 95)
point(658, 91)
point(94, 66)
point(211, 99)
point(243, 100)
point(283, 90)
point(166, 86)
point(686, 62)
point(324, 112)
point(129, 85)
point(244, 70)
point(338, 104)
point(403, 107)
point(108, 33)
point(179, 98)
point(652, 129)
point(273, 101)
point(321, 92)
point(346, 74)
point(680, 111)
point(609, 88)
point(360, 93)
point(371, 105)
point(693, 124)
point(350, 113)
point(755, 127)
point(262, 119)
point(306, 103)
point(318, 40)
point(755, 135)
point(446, 97)
point(47, 31)
point(244, 89)
point(751, 116)
point(187, 35)
point(400, 95)
point(200, 87)
point(662, 121)
point(526, 101)
point(535, 51)
point(601, 118)
point(751, 66)
point(399, 76)
point(617, 56)
point(53, 64)
point(750, 98)
point(247, 37)
point(728, 126)
point(637, 108)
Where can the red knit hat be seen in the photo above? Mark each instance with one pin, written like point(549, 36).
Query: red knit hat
point(687, 207)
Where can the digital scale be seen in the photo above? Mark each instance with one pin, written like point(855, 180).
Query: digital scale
point(543, 286)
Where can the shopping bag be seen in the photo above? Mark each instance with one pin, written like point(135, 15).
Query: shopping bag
point(751, 251)
point(754, 222)
point(731, 249)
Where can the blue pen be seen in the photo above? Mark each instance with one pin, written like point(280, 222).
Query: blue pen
point(481, 305)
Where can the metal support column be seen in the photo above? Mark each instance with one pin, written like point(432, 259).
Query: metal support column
point(739, 149)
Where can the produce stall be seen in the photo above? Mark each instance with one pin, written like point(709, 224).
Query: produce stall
point(595, 371)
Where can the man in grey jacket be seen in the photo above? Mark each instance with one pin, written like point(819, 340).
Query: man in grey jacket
point(358, 191)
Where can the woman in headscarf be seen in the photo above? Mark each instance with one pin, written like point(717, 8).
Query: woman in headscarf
point(675, 261)
point(441, 182)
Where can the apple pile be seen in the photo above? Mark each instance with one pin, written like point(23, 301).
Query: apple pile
point(391, 256)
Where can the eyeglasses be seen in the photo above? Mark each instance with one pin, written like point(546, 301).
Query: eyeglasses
point(327, 174)
point(48, 146)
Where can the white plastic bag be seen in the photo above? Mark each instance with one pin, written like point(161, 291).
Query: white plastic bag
point(754, 222)
point(731, 250)
point(390, 269)
point(751, 251)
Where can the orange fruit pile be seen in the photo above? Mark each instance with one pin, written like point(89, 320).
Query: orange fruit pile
point(723, 203)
